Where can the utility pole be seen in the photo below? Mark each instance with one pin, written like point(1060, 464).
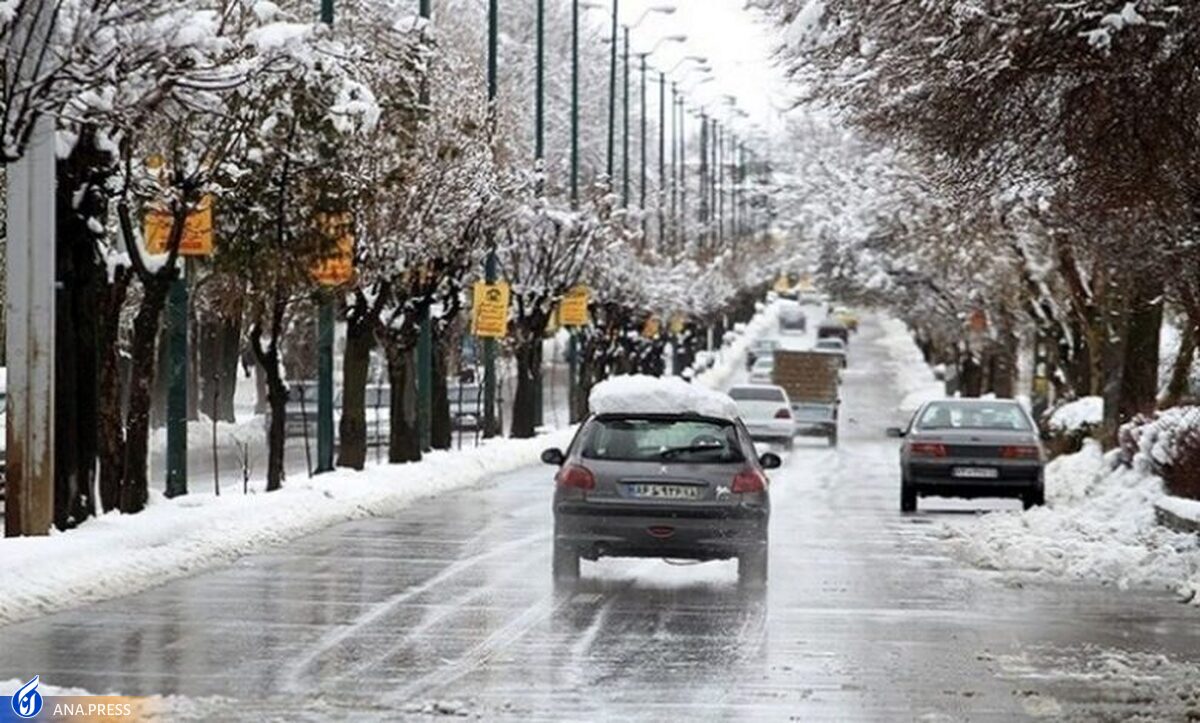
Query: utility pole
point(490, 427)
point(662, 160)
point(679, 183)
point(574, 103)
point(30, 307)
point(425, 329)
point(540, 163)
point(612, 94)
point(703, 175)
point(572, 370)
point(642, 173)
point(625, 142)
point(325, 325)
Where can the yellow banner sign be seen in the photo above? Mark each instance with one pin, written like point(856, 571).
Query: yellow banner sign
point(197, 238)
point(338, 267)
point(573, 309)
point(489, 311)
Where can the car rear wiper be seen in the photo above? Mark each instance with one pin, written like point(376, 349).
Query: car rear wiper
point(672, 451)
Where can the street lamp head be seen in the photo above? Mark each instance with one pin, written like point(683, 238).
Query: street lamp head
point(664, 9)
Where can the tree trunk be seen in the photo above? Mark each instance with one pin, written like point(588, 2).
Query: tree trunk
point(143, 355)
point(110, 423)
point(403, 442)
point(1111, 360)
point(970, 375)
point(529, 376)
point(356, 366)
point(75, 366)
point(277, 396)
point(218, 341)
point(269, 361)
point(1181, 370)
point(1139, 373)
point(441, 426)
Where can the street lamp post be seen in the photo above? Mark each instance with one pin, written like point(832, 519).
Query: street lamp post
point(678, 139)
point(681, 181)
point(662, 161)
point(703, 178)
point(625, 125)
point(612, 91)
point(325, 332)
point(425, 329)
point(490, 427)
point(574, 103)
point(539, 152)
point(642, 145)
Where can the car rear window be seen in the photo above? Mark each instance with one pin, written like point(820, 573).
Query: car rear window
point(759, 409)
point(662, 439)
point(761, 394)
point(974, 415)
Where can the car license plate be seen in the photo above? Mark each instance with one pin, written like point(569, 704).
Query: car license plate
point(975, 472)
point(664, 492)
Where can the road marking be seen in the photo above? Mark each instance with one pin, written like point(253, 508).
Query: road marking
point(336, 637)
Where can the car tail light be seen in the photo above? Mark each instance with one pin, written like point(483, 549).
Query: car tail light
point(1020, 452)
point(575, 476)
point(783, 414)
point(750, 480)
point(927, 449)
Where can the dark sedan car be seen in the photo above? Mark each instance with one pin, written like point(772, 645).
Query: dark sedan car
point(971, 448)
point(661, 485)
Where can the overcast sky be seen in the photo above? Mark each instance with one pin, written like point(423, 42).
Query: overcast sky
point(736, 41)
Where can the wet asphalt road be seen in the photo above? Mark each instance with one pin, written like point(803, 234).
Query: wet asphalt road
point(448, 609)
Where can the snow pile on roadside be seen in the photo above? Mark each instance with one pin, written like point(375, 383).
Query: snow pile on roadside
point(913, 376)
point(1078, 415)
point(115, 555)
point(733, 357)
point(8, 687)
point(1099, 524)
point(641, 394)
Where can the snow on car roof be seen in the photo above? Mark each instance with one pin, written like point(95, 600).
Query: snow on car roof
point(639, 394)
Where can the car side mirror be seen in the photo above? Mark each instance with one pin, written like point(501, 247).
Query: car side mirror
point(554, 456)
point(895, 432)
point(770, 460)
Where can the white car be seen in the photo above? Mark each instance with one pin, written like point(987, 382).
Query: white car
point(766, 412)
point(763, 370)
point(832, 345)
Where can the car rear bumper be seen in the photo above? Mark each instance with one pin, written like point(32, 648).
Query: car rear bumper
point(770, 432)
point(814, 429)
point(1014, 479)
point(707, 532)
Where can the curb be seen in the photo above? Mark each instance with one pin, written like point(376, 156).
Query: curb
point(1174, 522)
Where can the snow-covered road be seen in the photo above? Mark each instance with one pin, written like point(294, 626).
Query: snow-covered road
point(447, 608)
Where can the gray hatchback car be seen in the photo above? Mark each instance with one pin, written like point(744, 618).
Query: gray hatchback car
point(661, 485)
point(971, 448)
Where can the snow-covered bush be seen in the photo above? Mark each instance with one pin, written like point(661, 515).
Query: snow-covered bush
point(1068, 425)
point(1168, 446)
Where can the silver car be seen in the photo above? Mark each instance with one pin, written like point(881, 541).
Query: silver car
point(661, 485)
point(971, 448)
